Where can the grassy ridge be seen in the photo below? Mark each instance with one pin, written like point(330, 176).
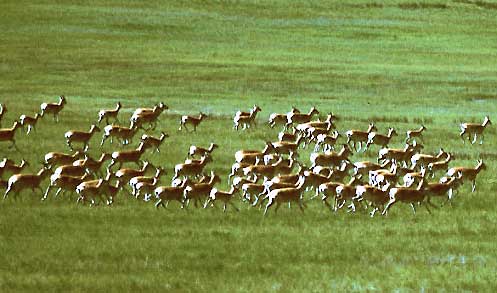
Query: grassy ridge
point(399, 63)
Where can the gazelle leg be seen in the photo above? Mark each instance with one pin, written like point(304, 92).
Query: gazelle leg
point(413, 208)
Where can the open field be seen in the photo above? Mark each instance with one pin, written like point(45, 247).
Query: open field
point(398, 63)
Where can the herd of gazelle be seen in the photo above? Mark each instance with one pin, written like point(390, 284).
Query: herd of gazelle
point(273, 174)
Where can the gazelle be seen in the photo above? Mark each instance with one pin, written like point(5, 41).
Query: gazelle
point(246, 118)
point(146, 188)
point(133, 182)
point(237, 169)
point(375, 196)
point(93, 166)
point(474, 129)
point(267, 171)
point(53, 108)
point(326, 124)
point(327, 190)
point(57, 159)
point(344, 193)
point(19, 182)
point(12, 168)
point(250, 190)
point(64, 183)
point(444, 189)
point(168, 193)
point(380, 139)
point(467, 173)
point(422, 160)
point(439, 165)
point(399, 155)
point(268, 187)
point(289, 137)
point(8, 134)
point(312, 133)
point(300, 117)
point(326, 141)
point(288, 148)
point(125, 134)
point(141, 111)
point(381, 177)
point(192, 169)
point(224, 196)
point(190, 120)
point(125, 174)
point(358, 136)
point(112, 113)
point(330, 158)
point(411, 178)
point(289, 194)
point(6, 162)
point(200, 151)
point(363, 167)
point(407, 195)
point(415, 133)
point(276, 118)
point(70, 170)
point(251, 156)
point(132, 156)
point(153, 142)
point(198, 191)
point(93, 191)
point(84, 137)
point(148, 117)
point(29, 121)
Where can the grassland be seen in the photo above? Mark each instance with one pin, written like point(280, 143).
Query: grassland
point(399, 63)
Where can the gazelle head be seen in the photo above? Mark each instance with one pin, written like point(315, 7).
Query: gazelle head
point(372, 127)
point(94, 128)
point(391, 132)
point(256, 109)
point(163, 135)
point(480, 165)
point(62, 100)
point(314, 111)
point(487, 121)
point(294, 110)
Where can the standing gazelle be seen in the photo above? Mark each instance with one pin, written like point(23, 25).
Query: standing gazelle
point(474, 130)
point(53, 108)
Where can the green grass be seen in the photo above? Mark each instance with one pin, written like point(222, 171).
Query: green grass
point(398, 63)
